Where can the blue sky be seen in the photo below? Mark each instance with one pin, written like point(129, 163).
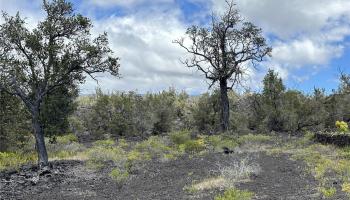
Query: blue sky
point(310, 40)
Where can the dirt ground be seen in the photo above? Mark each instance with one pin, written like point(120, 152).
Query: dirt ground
point(280, 178)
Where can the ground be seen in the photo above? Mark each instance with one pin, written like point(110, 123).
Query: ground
point(279, 177)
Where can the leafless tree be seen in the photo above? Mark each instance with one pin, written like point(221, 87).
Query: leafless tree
point(223, 50)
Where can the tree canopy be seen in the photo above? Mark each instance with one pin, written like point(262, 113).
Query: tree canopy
point(59, 52)
point(222, 50)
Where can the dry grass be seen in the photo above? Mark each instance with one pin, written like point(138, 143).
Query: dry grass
point(230, 174)
point(209, 184)
point(238, 171)
point(81, 156)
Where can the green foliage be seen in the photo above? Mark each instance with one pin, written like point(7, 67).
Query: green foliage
point(153, 147)
point(307, 138)
point(11, 160)
point(66, 139)
point(205, 112)
point(217, 142)
point(193, 146)
point(180, 137)
point(272, 98)
point(104, 151)
point(64, 147)
point(62, 103)
point(183, 141)
point(131, 114)
point(342, 126)
point(14, 122)
point(346, 187)
point(235, 194)
point(328, 192)
point(42, 66)
point(279, 109)
point(119, 176)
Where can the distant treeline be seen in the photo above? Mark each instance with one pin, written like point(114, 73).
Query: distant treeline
point(133, 115)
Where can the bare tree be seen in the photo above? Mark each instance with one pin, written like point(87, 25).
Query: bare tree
point(221, 52)
point(57, 53)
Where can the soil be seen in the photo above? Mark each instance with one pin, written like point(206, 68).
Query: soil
point(280, 178)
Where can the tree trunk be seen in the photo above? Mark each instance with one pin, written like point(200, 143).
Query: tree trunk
point(39, 138)
point(224, 106)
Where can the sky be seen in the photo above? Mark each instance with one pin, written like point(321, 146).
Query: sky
point(310, 40)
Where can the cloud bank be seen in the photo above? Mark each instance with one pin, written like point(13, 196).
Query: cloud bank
point(303, 34)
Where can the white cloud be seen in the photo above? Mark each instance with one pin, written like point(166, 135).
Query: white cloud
point(304, 34)
point(149, 59)
point(291, 18)
point(26, 9)
point(299, 53)
point(125, 3)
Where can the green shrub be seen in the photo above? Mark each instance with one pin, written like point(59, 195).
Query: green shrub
point(99, 154)
point(346, 187)
point(217, 142)
point(235, 194)
point(153, 147)
point(76, 124)
point(306, 139)
point(65, 139)
point(193, 146)
point(214, 140)
point(122, 143)
point(328, 192)
point(342, 126)
point(119, 176)
point(180, 137)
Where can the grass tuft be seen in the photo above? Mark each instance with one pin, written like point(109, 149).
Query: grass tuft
point(235, 194)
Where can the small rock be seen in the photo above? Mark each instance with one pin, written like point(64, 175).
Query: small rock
point(34, 180)
point(44, 171)
point(227, 150)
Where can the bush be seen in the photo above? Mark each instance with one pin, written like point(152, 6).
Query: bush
point(205, 112)
point(346, 187)
point(153, 147)
point(328, 192)
point(66, 139)
point(193, 146)
point(235, 194)
point(101, 153)
point(342, 126)
point(119, 176)
point(217, 142)
point(180, 137)
point(131, 114)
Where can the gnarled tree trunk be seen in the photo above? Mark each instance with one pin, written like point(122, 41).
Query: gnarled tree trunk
point(39, 138)
point(224, 106)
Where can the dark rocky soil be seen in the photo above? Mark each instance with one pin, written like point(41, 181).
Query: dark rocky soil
point(280, 179)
